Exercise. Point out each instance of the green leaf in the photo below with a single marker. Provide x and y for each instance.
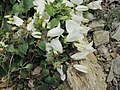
(45, 72)
(29, 66)
(12, 1)
(27, 4)
(23, 73)
(43, 87)
(23, 48)
(41, 45)
(54, 22)
(17, 8)
(49, 80)
(50, 10)
(10, 48)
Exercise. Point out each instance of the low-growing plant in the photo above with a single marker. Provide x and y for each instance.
(39, 38)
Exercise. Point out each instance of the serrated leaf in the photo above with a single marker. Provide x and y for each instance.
(54, 23)
(23, 48)
(45, 72)
(27, 4)
(50, 10)
(41, 45)
(50, 80)
(10, 48)
(43, 87)
(17, 8)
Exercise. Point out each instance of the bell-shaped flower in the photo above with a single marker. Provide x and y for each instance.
(85, 47)
(68, 3)
(77, 2)
(30, 26)
(56, 45)
(36, 34)
(81, 68)
(77, 18)
(50, 1)
(55, 32)
(60, 71)
(80, 55)
(40, 6)
(81, 8)
(95, 5)
(74, 36)
(72, 26)
(90, 16)
(17, 21)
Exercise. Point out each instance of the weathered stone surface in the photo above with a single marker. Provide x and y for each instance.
(116, 66)
(117, 34)
(100, 37)
(93, 80)
(103, 51)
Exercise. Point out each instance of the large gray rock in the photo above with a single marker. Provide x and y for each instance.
(93, 80)
(117, 34)
(116, 66)
(100, 37)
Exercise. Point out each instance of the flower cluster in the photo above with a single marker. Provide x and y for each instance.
(59, 26)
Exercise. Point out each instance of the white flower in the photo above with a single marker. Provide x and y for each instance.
(77, 2)
(81, 68)
(36, 34)
(79, 55)
(90, 16)
(74, 30)
(60, 70)
(17, 21)
(56, 44)
(30, 26)
(74, 36)
(77, 18)
(50, 1)
(55, 32)
(40, 6)
(95, 5)
(86, 47)
(68, 3)
(72, 26)
(81, 8)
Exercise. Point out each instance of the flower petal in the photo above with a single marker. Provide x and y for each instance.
(81, 68)
(60, 70)
(40, 6)
(95, 5)
(17, 21)
(81, 8)
(36, 34)
(56, 44)
(77, 2)
(80, 55)
(55, 32)
(72, 25)
(30, 26)
(74, 36)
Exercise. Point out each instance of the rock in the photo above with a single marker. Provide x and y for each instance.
(97, 24)
(93, 80)
(116, 66)
(110, 75)
(113, 54)
(103, 51)
(117, 34)
(100, 37)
